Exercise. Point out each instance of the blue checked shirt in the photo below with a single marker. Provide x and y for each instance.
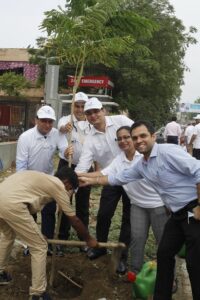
(171, 171)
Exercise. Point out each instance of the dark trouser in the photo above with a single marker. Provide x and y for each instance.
(110, 197)
(172, 139)
(48, 219)
(178, 230)
(82, 207)
(196, 153)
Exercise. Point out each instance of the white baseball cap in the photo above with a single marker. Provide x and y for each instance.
(197, 117)
(46, 112)
(80, 96)
(93, 103)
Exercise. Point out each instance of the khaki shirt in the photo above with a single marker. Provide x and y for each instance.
(35, 189)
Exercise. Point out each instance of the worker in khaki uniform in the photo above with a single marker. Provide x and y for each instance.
(21, 195)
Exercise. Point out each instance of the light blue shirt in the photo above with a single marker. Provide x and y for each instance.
(171, 171)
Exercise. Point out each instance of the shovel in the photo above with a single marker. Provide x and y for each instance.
(115, 256)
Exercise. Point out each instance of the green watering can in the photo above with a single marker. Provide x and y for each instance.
(144, 281)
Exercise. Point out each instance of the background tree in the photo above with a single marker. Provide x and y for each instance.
(149, 86)
(13, 84)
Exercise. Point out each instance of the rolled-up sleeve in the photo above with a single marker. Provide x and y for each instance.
(125, 176)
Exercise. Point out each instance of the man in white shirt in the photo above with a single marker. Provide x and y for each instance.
(172, 132)
(188, 135)
(100, 146)
(195, 139)
(76, 129)
(35, 151)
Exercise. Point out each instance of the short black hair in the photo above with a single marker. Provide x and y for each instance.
(147, 124)
(69, 174)
(174, 118)
(128, 128)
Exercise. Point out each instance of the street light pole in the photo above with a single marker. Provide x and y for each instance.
(51, 85)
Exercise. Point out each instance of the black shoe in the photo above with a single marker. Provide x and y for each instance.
(122, 268)
(84, 249)
(94, 253)
(59, 251)
(44, 296)
(26, 251)
(5, 278)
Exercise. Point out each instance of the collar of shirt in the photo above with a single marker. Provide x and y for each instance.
(109, 123)
(154, 153)
(38, 135)
(125, 159)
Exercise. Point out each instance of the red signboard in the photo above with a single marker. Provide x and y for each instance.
(92, 81)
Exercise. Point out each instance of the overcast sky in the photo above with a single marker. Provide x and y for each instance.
(19, 21)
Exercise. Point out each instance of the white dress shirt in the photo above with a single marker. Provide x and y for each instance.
(173, 129)
(139, 192)
(196, 142)
(35, 152)
(79, 132)
(189, 133)
(101, 146)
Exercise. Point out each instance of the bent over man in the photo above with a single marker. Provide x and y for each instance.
(21, 195)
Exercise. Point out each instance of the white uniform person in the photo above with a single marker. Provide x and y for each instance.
(35, 151)
(100, 146)
(78, 128)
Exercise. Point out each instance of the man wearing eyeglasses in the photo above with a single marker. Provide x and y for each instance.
(35, 151)
(100, 146)
(76, 129)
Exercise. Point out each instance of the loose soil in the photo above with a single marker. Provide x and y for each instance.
(94, 276)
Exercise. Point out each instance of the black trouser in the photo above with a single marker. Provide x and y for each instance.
(48, 219)
(196, 153)
(178, 230)
(82, 206)
(110, 197)
(172, 139)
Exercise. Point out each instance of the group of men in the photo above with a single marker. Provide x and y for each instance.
(171, 172)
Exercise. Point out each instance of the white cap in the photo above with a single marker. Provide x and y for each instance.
(197, 117)
(46, 112)
(93, 103)
(80, 96)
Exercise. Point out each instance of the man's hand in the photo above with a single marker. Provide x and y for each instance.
(85, 181)
(69, 152)
(196, 212)
(68, 127)
(189, 149)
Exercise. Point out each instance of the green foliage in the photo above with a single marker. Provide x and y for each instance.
(148, 84)
(12, 83)
(197, 100)
(100, 35)
(140, 43)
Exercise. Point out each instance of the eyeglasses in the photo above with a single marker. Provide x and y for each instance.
(126, 137)
(92, 111)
